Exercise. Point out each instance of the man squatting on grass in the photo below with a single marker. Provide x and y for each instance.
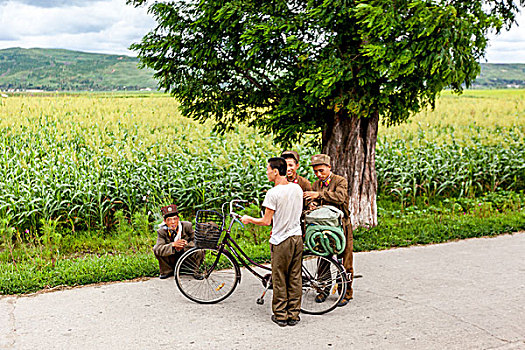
(283, 204)
(174, 237)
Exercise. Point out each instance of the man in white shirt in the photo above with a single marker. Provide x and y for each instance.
(283, 205)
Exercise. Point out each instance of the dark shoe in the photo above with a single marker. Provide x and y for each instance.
(164, 276)
(344, 301)
(321, 297)
(292, 322)
(280, 323)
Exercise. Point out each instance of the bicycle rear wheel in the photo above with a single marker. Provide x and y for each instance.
(324, 284)
(206, 276)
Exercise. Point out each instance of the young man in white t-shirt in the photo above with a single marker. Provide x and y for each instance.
(283, 204)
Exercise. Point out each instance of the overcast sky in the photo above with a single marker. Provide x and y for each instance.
(110, 26)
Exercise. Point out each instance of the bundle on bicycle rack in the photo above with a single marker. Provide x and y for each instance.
(208, 228)
(324, 232)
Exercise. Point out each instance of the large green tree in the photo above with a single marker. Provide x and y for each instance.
(333, 68)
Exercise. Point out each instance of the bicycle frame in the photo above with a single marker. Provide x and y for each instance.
(231, 246)
(320, 275)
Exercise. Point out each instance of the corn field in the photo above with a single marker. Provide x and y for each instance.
(79, 159)
(470, 144)
(463, 169)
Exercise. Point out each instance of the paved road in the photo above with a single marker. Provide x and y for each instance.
(460, 295)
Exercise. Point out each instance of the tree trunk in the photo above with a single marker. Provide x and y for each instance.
(351, 143)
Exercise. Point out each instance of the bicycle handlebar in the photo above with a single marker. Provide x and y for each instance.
(235, 203)
(232, 203)
(234, 215)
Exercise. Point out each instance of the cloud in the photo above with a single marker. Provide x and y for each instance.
(7, 36)
(26, 20)
(107, 26)
(51, 3)
(110, 26)
(505, 52)
(508, 46)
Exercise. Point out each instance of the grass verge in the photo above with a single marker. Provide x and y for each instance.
(393, 233)
(28, 277)
(19, 275)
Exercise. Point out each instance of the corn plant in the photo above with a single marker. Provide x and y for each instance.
(78, 160)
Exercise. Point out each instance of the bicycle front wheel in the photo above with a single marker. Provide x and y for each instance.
(206, 275)
(324, 284)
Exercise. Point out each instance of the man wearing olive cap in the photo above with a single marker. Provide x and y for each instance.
(332, 189)
(174, 237)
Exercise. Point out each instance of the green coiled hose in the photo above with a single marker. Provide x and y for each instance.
(325, 240)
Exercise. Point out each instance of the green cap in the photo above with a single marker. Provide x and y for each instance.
(320, 159)
(293, 154)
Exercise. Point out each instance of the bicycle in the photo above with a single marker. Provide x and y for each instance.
(210, 272)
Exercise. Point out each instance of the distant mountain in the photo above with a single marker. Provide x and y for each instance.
(496, 75)
(65, 70)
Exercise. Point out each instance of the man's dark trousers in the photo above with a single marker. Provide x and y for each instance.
(167, 263)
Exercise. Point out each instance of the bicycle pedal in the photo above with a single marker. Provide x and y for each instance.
(335, 289)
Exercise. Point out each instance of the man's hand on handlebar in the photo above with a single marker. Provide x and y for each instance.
(246, 219)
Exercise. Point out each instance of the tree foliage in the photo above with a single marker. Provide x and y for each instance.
(290, 66)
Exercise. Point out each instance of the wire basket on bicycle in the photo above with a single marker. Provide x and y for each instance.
(208, 228)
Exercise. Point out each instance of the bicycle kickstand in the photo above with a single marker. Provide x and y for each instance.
(267, 283)
(260, 300)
